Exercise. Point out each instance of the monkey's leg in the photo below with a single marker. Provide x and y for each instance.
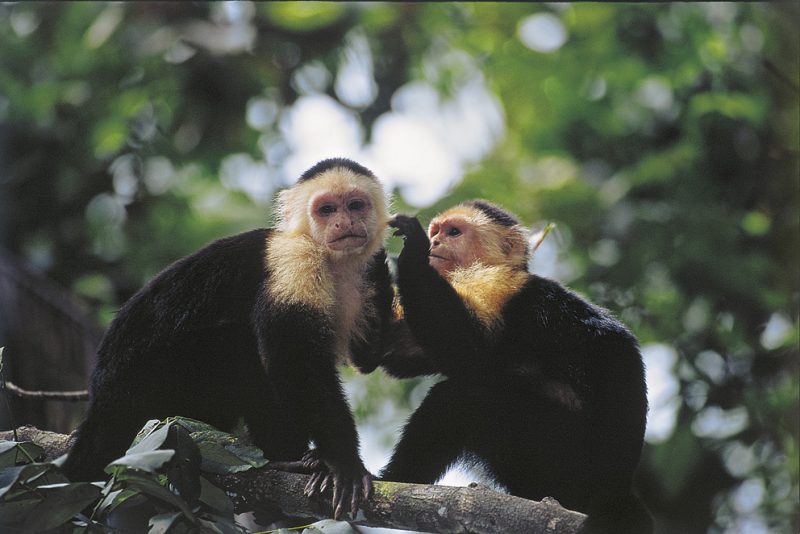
(102, 438)
(274, 425)
(278, 436)
(432, 439)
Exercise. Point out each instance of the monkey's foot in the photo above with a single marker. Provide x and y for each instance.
(350, 487)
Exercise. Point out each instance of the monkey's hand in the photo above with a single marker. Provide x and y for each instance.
(351, 486)
(310, 463)
(409, 228)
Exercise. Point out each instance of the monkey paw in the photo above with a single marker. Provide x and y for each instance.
(308, 464)
(410, 229)
(350, 487)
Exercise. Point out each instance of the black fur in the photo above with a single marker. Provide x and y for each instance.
(495, 213)
(332, 163)
(203, 340)
(554, 405)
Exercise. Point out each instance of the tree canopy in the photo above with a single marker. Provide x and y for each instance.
(662, 139)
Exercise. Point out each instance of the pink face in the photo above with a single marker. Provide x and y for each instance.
(341, 221)
(454, 243)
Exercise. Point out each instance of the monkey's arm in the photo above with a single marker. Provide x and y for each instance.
(366, 351)
(404, 358)
(296, 345)
(436, 315)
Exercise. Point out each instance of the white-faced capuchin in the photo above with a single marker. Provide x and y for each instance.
(546, 390)
(253, 326)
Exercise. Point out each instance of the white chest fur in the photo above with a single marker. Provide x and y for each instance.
(302, 274)
(352, 296)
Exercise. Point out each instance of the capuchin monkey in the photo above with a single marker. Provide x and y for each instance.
(253, 326)
(546, 390)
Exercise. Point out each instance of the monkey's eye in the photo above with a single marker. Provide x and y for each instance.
(356, 205)
(327, 209)
(453, 231)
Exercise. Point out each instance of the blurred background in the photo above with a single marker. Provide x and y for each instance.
(662, 139)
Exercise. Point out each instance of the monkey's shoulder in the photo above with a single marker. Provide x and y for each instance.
(209, 291)
(545, 304)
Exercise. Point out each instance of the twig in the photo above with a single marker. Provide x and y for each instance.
(72, 396)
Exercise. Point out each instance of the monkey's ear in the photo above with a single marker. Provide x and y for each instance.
(515, 246)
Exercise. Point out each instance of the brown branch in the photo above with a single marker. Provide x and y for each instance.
(53, 443)
(72, 396)
(395, 505)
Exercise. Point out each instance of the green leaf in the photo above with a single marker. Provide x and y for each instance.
(756, 223)
(184, 470)
(146, 461)
(161, 523)
(109, 136)
(10, 475)
(193, 425)
(217, 459)
(215, 498)
(16, 514)
(223, 525)
(61, 504)
(223, 453)
(112, 500)
(148, 485)
(330, 526)
(14, 453)
(301, 17)
(133, 514)
(250, 454)
(151, 440)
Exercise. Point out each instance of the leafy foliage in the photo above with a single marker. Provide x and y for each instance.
(157, 485)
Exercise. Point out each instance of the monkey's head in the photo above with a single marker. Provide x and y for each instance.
(340, 205)
(476, 231)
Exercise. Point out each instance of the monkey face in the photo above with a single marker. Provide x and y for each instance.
(454, 243)
(342, 222)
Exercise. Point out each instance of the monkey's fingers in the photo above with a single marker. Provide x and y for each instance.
(313, 486)
(397, 220)
(327, 482)
(344, 496)
(355, 501)
(337, 490)
(311, 460)
(368, 487)
(403, 223)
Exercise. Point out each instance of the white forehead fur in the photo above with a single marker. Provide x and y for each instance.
(294, 203)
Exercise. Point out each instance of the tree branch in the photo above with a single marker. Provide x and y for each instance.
(395, 505)
(72, 396)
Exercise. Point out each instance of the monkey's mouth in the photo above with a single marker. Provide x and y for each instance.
(435, 258)
(349, 240)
